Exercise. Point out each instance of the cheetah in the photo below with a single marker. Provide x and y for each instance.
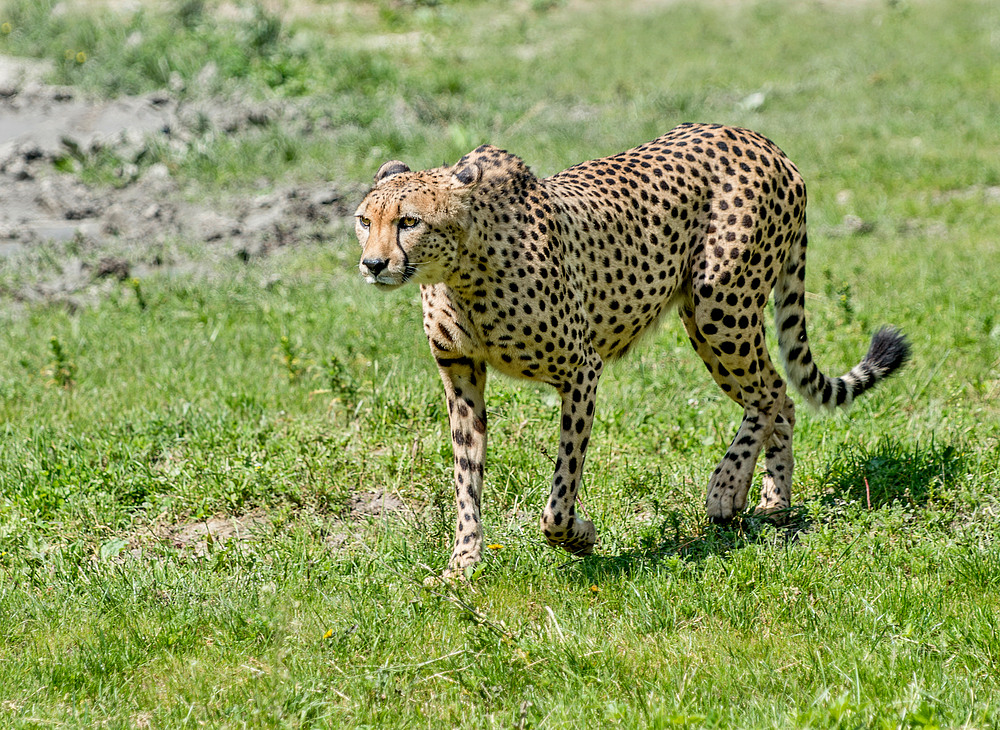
(550, 279)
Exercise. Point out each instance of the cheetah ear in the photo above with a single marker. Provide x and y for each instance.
(390, 168)
(467, 176)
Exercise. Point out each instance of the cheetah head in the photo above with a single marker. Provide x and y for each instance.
(412, 224)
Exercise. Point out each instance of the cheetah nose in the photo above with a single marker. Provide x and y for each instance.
(375, 266)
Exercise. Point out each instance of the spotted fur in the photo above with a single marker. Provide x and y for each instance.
(549, 279)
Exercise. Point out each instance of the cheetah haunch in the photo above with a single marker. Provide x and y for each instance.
(549, 279)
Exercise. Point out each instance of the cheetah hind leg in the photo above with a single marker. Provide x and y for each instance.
(763, 396)
(776, 489)
(723, 503)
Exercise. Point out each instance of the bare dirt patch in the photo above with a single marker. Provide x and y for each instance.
(199, 537)
(375, 504)
(43, 128)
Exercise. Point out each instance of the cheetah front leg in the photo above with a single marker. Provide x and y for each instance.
(561, 526)
(465, 387)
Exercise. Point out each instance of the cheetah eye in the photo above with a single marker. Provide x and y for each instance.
(364, 221)
(408, 221)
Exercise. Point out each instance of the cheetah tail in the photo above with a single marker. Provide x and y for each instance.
(889, 349)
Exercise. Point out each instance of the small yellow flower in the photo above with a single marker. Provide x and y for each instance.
(6, 28)
(328, 634)
(494, 546)
(81, 57)
(69, 53)
(595, 589)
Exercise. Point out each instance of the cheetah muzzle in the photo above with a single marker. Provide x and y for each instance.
(548, 279)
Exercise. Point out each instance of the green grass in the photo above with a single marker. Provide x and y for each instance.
(282, 387)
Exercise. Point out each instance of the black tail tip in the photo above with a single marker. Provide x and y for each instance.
(889, 351)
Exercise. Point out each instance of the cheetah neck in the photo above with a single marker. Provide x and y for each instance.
(509, 235)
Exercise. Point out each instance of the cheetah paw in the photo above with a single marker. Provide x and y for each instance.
(724, 503)
(450, 577)
(580, 540)
(776, 514)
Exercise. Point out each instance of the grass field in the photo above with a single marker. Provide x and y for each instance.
(283, 392)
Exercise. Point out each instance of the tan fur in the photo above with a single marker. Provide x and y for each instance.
(548, 279)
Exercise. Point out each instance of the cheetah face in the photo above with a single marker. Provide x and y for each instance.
(412, 224)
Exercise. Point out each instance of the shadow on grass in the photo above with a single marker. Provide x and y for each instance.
(889, 472)
(875, 476)
(712, 540)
